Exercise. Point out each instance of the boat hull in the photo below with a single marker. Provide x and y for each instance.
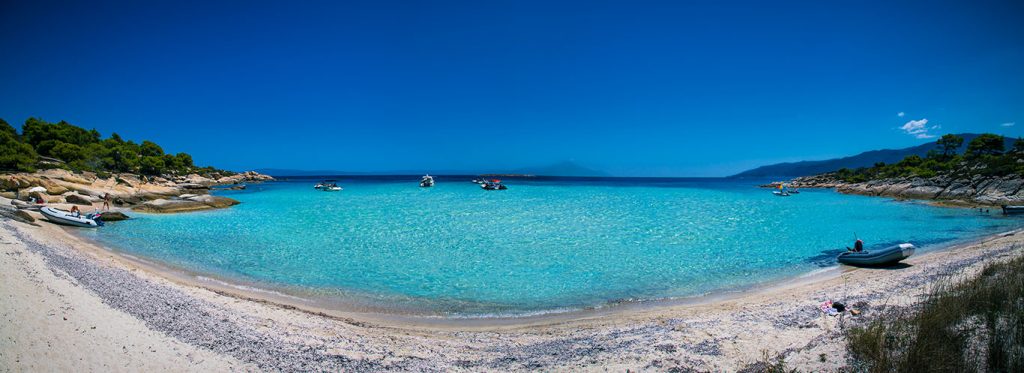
(66, 218)
(889, 255)
(1013, 210)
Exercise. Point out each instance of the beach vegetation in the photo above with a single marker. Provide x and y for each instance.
(78, 149)
(973, 325)
(985, 155)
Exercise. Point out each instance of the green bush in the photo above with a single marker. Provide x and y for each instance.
(16, 155)
(984, 156)
(85, 150)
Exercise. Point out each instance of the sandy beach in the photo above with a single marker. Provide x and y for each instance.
(69, 304)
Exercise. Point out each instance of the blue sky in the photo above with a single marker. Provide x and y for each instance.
(674, 88)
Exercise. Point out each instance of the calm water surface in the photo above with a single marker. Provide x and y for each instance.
(540, 246)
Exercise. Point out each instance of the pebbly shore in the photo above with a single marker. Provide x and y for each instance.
(727, 333)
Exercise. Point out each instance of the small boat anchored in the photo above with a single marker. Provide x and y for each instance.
(888, 255)
(71, 218)
(784, 191)
(1012, 210)
(494, 184)
(427, 181)
(327, 186)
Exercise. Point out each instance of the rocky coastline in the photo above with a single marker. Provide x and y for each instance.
(158, 194)
(975, 191)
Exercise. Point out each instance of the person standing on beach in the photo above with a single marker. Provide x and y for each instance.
(106, 201)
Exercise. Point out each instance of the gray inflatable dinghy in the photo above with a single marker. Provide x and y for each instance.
(888, 255)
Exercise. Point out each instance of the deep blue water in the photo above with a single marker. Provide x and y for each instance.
(544, 244)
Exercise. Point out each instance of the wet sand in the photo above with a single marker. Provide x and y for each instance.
(166, 320)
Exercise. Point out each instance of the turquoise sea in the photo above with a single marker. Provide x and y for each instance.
(543, 245)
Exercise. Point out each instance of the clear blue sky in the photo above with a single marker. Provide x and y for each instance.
(674, 88)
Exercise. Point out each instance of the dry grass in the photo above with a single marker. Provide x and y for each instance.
(975, 325)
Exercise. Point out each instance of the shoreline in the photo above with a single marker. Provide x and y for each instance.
(726, 333)
(384, 316)
(389, 316)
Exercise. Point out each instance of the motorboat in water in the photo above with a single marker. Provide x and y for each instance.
(493, 185)
(1012, 210)
(327, 186)
(71, 218)
(427, 181)
(888, 255)
(781, 193)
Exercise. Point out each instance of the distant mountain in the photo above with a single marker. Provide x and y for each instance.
(865, 159)
(565, 168)
(278, 172)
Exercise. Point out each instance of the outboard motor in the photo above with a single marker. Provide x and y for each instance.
(96, 218)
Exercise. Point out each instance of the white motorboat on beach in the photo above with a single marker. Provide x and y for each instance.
(71, 218)
(427, 181)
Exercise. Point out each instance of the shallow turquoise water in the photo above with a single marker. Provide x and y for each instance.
(542, 245)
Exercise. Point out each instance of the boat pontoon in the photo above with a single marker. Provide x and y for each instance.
(71, 218)
(888, 255)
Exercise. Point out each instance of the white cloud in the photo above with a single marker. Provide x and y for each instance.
(1008, 124)
(918, 128)
(901, 114)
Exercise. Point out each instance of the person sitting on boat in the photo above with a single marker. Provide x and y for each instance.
(74, 210)
(858, 246)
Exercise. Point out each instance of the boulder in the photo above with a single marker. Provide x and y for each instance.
(193, 186)
(214, 201)
(61, 174)
(243, 177)
(55, 189)
(17, 215)
(78, 199)
(958, 190)
(44, 197)
(9, 195)
(922, 192)
(204, 202)
(114, 216)
(197, 179)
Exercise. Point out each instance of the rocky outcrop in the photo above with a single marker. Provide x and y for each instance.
(248, 176)
(206, 182)
(114, 216)
(126, 190)
(1008, 190)
(203, 202)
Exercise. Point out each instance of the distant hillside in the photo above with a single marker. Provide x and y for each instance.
(566, 168)
(290, 172)
(865, 159)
